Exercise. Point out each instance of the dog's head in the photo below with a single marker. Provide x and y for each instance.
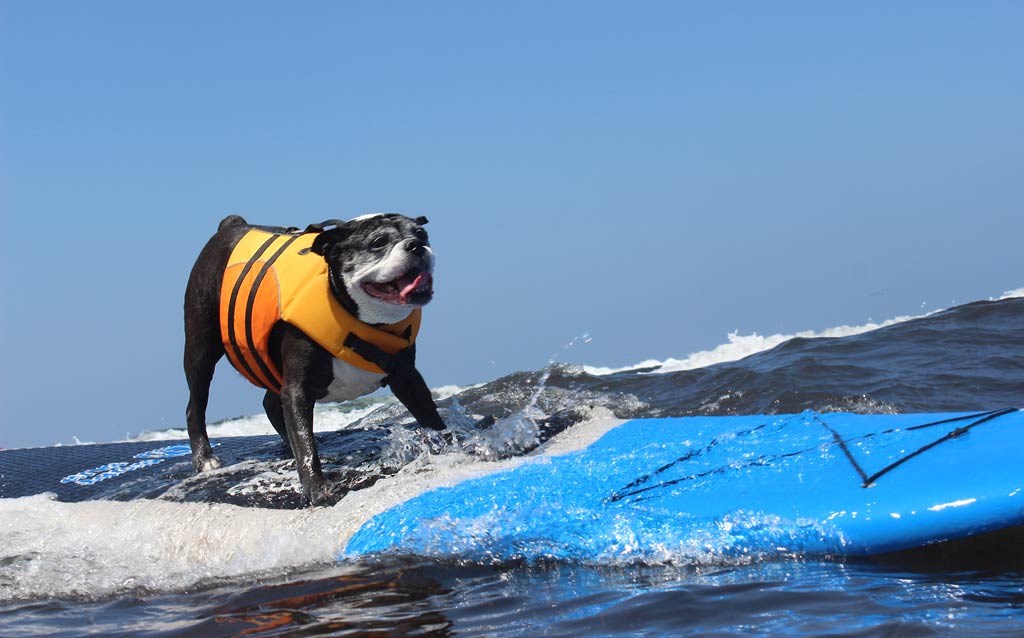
(381, 266)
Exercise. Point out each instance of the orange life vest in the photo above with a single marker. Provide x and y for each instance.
(273, 277)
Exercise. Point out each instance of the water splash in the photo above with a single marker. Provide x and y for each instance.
(519, 431)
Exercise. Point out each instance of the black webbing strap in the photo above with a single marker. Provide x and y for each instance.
(373, 354)
(389, 363)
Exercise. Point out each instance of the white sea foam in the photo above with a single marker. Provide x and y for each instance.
(1010, 294)
(328, 417)
(100, 548)
(97, 548)
(740, 346)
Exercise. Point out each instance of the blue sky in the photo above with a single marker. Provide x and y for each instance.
(653, 174)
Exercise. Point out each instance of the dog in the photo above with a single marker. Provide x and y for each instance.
(328, 313)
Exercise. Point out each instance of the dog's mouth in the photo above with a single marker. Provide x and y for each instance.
(414, 288)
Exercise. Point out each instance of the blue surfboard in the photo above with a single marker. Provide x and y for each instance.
(689, 488)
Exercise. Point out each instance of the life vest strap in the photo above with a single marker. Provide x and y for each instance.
(387, 362)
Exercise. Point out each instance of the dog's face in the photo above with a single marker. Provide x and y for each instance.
(383, 263)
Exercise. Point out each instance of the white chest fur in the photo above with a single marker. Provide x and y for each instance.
(350, 382)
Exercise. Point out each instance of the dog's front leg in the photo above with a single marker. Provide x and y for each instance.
(408, 385)
(298, 402)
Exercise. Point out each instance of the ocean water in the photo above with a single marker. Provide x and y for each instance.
(233, 554)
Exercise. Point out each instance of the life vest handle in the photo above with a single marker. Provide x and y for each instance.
(322, 226)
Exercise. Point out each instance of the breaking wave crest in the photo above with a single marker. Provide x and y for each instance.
(740, 346)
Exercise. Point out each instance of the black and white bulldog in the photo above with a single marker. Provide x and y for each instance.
(379, 269)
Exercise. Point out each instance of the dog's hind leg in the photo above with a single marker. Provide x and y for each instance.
(275, 412)
(203, 344)
(201, 356)
(203, 349)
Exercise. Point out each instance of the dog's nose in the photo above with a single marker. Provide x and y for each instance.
(414, 246)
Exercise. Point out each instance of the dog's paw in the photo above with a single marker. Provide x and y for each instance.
(205, 463)
(485, 422)
(320, 494)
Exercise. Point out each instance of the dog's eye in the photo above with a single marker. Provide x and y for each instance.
(420, 234)
(380, 241)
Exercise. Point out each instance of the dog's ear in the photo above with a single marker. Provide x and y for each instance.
(326, 241)
(421, 220)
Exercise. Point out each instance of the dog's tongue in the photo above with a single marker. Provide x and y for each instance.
(410, 284)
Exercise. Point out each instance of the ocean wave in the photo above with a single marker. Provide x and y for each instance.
(740, 346)
(952, 360)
